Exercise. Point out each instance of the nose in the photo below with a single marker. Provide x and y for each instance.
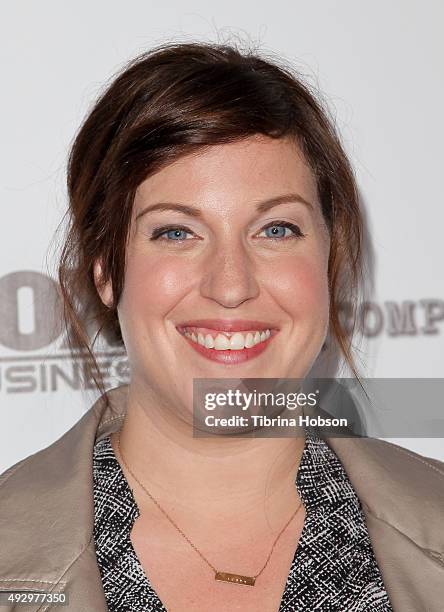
(229, 277)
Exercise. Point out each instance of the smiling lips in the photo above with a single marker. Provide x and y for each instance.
(229, 342)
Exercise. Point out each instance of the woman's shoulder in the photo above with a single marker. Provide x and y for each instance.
(402, 497)
(46, 509)
(398, 488)
(378, 466)
(71, 454)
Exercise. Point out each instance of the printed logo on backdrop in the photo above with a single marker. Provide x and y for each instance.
(394, 319)
(34, 354)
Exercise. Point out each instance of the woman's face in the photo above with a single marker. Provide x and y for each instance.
(225, 244)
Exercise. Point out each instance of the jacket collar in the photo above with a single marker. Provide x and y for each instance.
(47, 511)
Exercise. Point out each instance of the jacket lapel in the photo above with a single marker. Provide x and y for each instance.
(402, 496)
(47, 514)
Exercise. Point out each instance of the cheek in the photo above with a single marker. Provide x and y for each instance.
(301, 286)
(151, 289)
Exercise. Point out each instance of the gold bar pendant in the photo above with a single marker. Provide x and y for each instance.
(235, 578)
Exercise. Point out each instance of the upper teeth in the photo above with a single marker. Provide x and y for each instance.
(235, 342)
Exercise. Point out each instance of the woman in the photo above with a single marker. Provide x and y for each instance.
(214, 231)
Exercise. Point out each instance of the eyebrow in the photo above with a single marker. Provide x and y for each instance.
(191, 211)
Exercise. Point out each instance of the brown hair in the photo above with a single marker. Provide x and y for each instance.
(171, 101)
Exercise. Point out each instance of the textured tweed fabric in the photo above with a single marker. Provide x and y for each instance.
(333, 569)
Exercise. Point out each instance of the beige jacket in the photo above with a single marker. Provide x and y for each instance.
(46, 516)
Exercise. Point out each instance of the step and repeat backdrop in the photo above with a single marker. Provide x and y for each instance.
(379, 67)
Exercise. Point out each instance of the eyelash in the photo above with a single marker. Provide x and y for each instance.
(297, 233)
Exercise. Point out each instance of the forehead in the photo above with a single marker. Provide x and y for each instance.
(230, 174)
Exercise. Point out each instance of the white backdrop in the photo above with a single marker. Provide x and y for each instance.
(380, 68)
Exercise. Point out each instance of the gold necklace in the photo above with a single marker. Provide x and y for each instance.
(222, 576)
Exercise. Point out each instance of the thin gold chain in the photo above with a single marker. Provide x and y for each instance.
(180, 530)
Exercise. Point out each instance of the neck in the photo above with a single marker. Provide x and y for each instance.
(218, 476)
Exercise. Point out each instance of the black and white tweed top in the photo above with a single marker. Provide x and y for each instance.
(334, 568)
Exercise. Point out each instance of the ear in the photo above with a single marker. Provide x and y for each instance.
(104, 290)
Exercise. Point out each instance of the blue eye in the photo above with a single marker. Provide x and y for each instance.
(282, 229)
(277, 231)
(176, 234)
(172, 234)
